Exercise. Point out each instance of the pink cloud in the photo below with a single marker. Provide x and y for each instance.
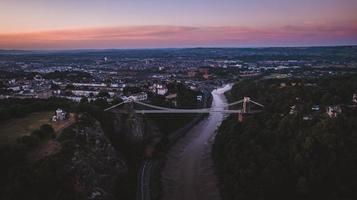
(182, 36)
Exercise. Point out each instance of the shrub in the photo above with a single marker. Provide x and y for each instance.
(29, 141)
(45, 132)
(66, 135)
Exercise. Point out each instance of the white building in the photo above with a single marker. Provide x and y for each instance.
(142, 96)
(85, 93)
(292, 110)
(59, 116)
(315, 108)
(159, 89)
(334, 111)
(199, 98)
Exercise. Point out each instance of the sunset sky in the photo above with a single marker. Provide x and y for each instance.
(83, 24)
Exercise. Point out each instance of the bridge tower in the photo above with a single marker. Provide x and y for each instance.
(245, 110)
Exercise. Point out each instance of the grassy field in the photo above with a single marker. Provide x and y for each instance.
(12, 129)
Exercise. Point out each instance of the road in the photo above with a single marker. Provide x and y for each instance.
(189, 173)
(144, 190)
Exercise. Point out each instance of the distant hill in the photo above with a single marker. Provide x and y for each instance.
(339, 53)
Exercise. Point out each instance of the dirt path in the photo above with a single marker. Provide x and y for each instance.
(51, 146)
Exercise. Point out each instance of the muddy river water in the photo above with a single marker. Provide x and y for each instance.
(189, 173)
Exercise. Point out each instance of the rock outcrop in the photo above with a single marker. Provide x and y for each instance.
(94, 164)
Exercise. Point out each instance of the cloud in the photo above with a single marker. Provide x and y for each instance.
(183, 36)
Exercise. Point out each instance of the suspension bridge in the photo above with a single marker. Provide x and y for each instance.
(245, 102)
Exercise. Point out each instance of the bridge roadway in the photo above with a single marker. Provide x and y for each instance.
(159, 109)
(182, 111)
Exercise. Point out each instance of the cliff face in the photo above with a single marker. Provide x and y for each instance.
(94, 164)
(95, 160)
(84, 166)
(131, 134)
(103, 157)
(130, 128)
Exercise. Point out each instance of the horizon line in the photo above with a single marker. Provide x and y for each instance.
(193, 47)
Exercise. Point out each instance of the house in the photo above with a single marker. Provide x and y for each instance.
(315, 108)
(199, 98)
(15, 88)
(307, 118)
(60, 115)
(191, 73)
(334, 111)
(142, 96)
(159, 89)
(44, 94)
(293, 110)
(204, 72)
(38, 78)
(205, 76)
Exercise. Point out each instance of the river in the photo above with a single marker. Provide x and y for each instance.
(189, 172)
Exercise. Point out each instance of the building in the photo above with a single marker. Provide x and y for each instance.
(204, 72)
(334, 111)
(199, 98)
(282, 85)
(205, 76)
(38, 78)
(45, 94)
(354, 98)
(142, 96)
(159, 89)
(315, 108)
(191, 73)
(293, 110)
(60, 115)
(307, 118)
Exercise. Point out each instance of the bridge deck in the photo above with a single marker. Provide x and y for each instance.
(183, 111)
(172, 110)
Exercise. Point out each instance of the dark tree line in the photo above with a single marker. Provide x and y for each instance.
(16, 108)
(275, 155)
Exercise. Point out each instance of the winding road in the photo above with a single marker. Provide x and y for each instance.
(189, 173)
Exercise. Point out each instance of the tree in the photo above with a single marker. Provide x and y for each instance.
(84, 100)
(102, 103)
(54, 86)
(46, 131)
(103, 94)
(131, 90)
(70, 87)
(273, 155)
(29, 141)
(68, 93)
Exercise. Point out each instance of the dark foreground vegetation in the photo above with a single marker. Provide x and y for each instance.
(97, 157)
(290, 153)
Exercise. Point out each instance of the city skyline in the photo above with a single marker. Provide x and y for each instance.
(40, 24)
